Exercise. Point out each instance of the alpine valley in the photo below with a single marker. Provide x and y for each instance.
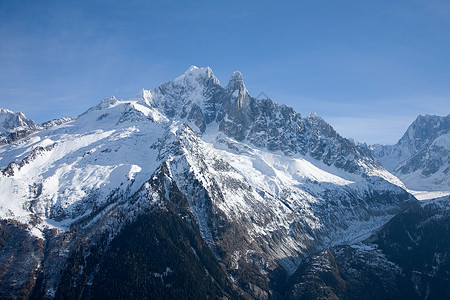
(194, 190)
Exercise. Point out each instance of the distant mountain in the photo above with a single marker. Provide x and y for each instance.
(187, 190)
(14, 126)
(11, 121)
(421, 157)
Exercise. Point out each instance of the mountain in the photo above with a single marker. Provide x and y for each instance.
(191, 190)
(14, 126)
(421, 157)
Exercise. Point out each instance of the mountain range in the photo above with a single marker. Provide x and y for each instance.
(197, 190)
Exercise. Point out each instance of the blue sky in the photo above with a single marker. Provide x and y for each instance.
(367, 67)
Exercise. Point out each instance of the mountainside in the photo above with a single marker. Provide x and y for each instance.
(216, 192)
(408, 258)
(421, 157)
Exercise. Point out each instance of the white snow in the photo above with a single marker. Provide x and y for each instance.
(82, 160)
(442, 141)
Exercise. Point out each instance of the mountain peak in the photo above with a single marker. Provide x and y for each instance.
(315, 118)
(236, 76)
(108, 101)
(314, 115)
(194, 72)
(425, 128)
(191, 69)
(10, 121)
(236, 82)
(419, 158)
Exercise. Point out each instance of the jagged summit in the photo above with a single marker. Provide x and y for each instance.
(5, 111)
(191, 69)
(197, 98)
(236, 82)
(194, 73)
(424, 128)
(314, 116)
(13, 121)
(108, 101)
(421, 157)
(14, 126)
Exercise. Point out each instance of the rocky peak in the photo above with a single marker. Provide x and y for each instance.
(12, 121)
(107, 102)
(14, 126)
(259, 122)
(104, 104)
(236, 82)
(197, 98)
(145, 96)
(315, 118)
(424, 130)
(196, 74)
(421, 157)
(240, 96)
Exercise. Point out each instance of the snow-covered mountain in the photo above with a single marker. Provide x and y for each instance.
(421, 157)
(11, 121)
(257, 183)
(14, 126)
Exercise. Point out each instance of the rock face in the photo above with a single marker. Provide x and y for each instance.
(21, 254)
(421, 157)
(219, 194)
